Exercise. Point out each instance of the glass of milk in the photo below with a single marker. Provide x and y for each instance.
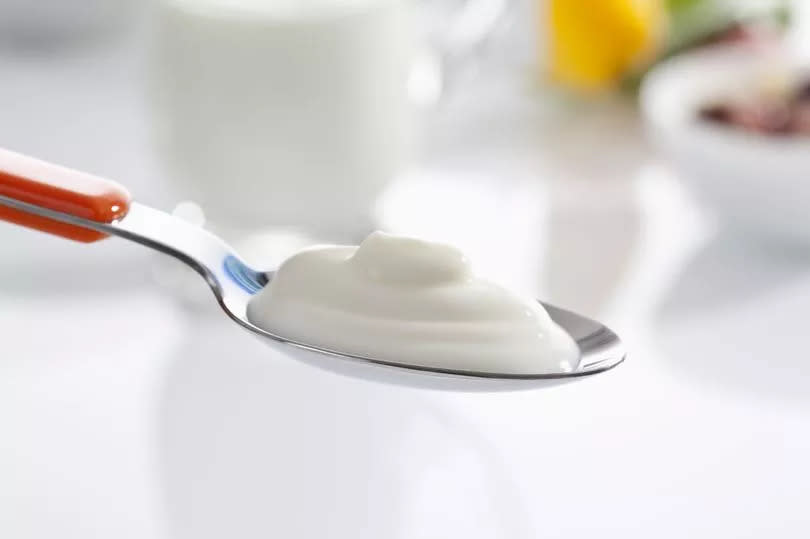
(296, 113)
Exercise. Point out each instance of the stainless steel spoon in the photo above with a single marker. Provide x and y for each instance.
(86, 208)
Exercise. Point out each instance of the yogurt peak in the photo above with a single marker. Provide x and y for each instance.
(410, 301)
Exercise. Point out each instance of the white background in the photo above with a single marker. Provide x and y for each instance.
(128, 412)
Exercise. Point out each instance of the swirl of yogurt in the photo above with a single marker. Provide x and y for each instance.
(409, 301)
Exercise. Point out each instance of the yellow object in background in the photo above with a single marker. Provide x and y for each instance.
(594, 43)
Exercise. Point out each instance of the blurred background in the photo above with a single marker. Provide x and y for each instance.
(643, 162)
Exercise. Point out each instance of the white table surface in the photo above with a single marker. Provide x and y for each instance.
(127, 413)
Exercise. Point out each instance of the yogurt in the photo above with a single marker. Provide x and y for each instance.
(408, 301)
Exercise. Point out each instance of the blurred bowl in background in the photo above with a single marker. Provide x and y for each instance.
(754, 182)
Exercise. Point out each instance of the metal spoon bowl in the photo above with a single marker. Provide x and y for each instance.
(233, 283)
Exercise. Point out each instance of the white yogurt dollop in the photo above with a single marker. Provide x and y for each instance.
(405, 300)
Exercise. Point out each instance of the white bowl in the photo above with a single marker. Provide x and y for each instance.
(758, 183)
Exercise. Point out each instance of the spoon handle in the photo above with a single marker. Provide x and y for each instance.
(60, 189)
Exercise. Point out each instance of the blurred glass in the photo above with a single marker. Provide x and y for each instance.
(299, 113)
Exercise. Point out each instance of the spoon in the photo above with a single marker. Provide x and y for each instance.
(86, 208)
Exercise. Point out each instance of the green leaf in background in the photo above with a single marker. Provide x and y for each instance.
(694, 22)
(676, 5)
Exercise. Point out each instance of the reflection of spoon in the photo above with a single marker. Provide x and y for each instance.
(86, 208)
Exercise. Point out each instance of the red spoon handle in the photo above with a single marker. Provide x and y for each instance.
(60, 189)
